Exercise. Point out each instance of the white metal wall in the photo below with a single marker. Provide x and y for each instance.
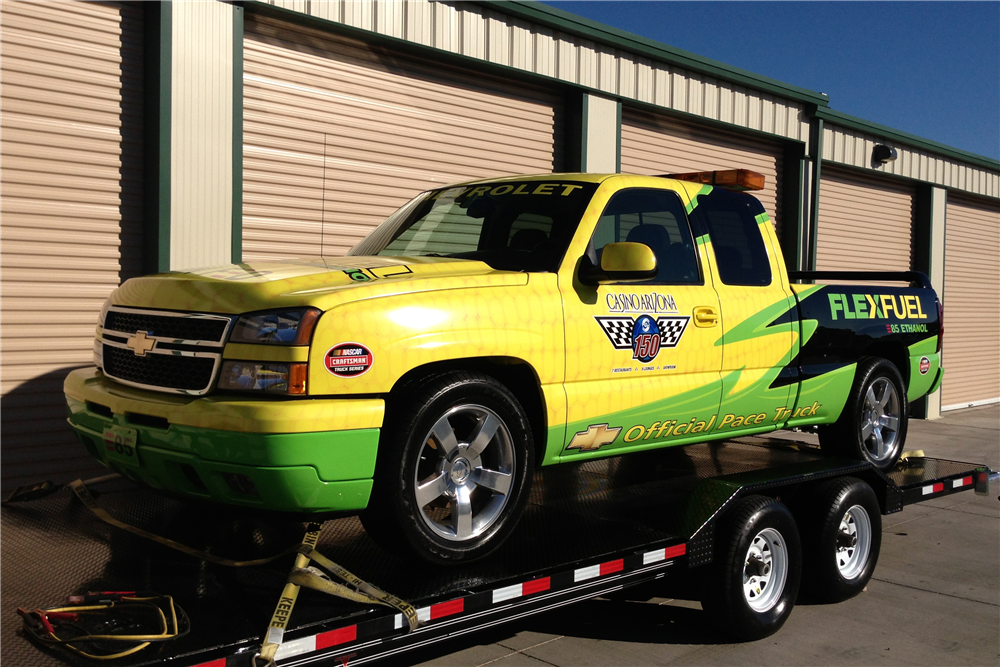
(971, 307)
(863, 224)
(339, 133)
(61, 156)
(658, 145)
(201, 135)
(855, 149)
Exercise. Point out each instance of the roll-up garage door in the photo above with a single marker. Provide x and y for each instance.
(61, 103)
(339, 133)
(971, 317)
(657, 145)
(864, 225)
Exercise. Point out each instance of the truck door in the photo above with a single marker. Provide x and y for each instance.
(757, 310)
(642, 364)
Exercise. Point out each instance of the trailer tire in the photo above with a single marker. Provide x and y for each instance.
(841, 539)
(439, 493)
(757, 542)
(872, 426)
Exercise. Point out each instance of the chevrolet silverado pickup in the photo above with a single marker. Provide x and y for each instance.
(488, 328)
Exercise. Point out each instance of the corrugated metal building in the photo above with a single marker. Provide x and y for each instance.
(143, 137)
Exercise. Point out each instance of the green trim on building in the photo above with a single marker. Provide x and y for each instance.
(237, 241)
(620, 39)
(157, 129)
(584, 130)
(618, 138)
(883, 132)
(817, 175)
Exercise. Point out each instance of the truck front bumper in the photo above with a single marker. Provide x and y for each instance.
(296, 455)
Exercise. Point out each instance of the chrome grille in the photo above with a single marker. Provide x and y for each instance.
(162, 350)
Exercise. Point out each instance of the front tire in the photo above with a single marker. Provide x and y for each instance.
(873, 425)
(754, 580)
(454, 469)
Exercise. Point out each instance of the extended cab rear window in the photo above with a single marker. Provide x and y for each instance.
(510, 225)
(731, 221)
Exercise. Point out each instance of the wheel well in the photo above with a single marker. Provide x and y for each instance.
(515, 374)
(894, 352)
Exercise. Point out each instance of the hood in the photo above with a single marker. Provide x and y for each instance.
(321, 283)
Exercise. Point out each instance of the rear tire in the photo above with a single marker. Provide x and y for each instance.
(873, 425)
(454, 469)
(754, 580)
(841, 539)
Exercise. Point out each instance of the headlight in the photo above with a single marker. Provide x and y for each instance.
(280, 327)
(264, 376)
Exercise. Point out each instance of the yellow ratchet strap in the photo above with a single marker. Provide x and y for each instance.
(304, 575)
(83, 493)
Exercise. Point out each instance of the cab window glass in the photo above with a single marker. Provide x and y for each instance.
(655, 218)
(731, 220)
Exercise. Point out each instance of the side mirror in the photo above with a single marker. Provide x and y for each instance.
(620, 262)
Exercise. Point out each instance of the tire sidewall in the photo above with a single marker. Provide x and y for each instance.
(731, 606)
(409, 440)
(828, 582)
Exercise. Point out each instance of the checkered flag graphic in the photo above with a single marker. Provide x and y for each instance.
(671, 330)
(618, 330)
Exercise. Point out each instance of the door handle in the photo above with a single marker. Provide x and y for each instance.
(705, 316)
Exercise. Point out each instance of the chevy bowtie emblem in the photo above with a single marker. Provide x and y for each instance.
(140, 344)
(594, 437)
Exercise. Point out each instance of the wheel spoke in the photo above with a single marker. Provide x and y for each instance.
(461, 513)
(445, 436)
(866, 431)
(879, 444)
(870, 399)
(890, 422)
(431, 490)
(886, 395)
(483, 435)
(493, 479)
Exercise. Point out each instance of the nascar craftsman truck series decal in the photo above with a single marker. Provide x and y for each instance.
(488, 328)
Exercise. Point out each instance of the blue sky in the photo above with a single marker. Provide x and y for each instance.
(928, 68)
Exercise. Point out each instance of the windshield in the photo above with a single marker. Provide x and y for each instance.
(519, 226)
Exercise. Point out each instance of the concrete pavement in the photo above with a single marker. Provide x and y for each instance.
(934, 599)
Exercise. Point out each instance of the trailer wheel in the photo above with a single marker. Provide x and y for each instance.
(841, 539)
(754, 579)
(454, 470)
(873, 424)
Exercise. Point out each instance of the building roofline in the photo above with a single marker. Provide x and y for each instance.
(564, 21)
(881, 131)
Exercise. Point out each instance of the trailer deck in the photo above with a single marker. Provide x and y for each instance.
(589, 529)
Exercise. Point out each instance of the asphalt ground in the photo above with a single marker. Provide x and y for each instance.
(934, 598)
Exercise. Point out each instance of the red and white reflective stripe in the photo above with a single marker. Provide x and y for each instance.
(221, 662)
(959, 483)
(663, 554)
(934, 488)
(594, 571)
(435, 611)
(519, 590)
(317, 642)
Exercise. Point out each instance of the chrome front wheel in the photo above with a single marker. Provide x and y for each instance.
(464, 473)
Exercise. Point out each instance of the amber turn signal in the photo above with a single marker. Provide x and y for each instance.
(297, 378)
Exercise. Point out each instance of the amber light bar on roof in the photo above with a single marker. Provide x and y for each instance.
(731, 179)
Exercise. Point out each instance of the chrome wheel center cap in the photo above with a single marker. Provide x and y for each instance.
(460, 470)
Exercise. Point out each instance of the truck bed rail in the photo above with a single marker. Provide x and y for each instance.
(915, 278)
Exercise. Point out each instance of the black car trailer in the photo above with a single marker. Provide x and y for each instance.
(725, 511)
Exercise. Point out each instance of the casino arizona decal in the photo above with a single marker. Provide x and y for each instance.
(349, 360)
(644, 335)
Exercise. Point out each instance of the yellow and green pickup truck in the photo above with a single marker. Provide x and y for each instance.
(488, 328)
